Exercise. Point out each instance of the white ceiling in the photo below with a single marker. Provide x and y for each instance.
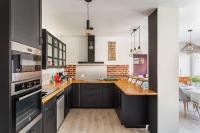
(114, 17)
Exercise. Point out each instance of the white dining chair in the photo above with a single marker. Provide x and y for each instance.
(139, 83)
(134, 80)
(195, 98)
(129, 80)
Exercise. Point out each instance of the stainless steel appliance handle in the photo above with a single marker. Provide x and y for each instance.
(24, 48)
(31, 124)
(24, 97)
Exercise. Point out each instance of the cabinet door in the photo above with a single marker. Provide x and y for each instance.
(25, 22)
(67, 100)
(49, 117)
(91, 95)
(117, 101)
(75, 95)
(107, 96)
(37, 128)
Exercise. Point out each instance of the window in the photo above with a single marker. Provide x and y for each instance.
(195, 65)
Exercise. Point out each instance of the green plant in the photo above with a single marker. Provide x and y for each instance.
(196, 79)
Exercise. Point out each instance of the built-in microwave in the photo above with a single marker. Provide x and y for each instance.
(26, 62)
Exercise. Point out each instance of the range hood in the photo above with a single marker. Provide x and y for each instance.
(91, 52)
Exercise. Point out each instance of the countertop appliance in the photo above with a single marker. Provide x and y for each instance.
(26, 105)
(60, 109)
(26, 62)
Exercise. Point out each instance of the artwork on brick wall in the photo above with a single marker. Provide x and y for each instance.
(111, 51)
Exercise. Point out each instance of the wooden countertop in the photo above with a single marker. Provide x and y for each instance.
(123, 85)
(131, 90)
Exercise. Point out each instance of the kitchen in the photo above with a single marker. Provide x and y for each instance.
(51, 73)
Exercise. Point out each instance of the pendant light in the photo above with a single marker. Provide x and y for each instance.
(88, 28)
(132, 51)
(190, 47)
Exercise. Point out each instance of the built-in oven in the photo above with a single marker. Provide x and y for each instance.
(26, 105)
(26, 62)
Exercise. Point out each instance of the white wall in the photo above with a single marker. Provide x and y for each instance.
(168, 52)
(77, 49)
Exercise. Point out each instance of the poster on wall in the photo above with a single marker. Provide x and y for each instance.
(138, 61)
(111, 51)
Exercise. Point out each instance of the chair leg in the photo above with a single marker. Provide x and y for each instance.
(197, 109)
(187, 106)
(193, 105)
(185, 109)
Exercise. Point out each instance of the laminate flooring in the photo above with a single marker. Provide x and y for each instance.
(190, 124)
(95, 121)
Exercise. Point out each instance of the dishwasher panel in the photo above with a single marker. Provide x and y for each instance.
(60, 109)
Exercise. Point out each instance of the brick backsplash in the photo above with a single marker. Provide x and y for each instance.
(70, 70)
(113, 71)
(117, 71)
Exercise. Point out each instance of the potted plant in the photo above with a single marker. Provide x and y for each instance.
(196, 80)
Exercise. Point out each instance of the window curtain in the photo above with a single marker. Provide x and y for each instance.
(195, 65)
(184, 65)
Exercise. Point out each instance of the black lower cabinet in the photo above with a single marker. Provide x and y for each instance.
(49, 116)
(75, 96)
(117, 101)
(95, 95)
(67, 93)
(131, 110)
(107, 96)
(90, 95)
(37, 128)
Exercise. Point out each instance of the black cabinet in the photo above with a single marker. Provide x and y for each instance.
(117, 101)
(49, 116)
(37, 128)
(75, 95)
(96, 95)
(25, 22)
(91, 95)
(67, 99)
(131, 110)
(53, 51)
(107, 96)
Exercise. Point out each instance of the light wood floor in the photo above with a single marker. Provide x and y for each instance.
(190, 124)
(95, 121)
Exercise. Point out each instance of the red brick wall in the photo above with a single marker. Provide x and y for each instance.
(113, 71)
(117, 71)
(70, 70)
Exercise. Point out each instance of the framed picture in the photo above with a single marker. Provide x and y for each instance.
(111, 51)
(138, 61)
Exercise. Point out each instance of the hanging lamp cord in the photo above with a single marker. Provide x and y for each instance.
(190, 36)
(139, 36)
(88, 11)
(134, 39)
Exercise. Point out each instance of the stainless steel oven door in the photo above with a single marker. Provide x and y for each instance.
(25, 109)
